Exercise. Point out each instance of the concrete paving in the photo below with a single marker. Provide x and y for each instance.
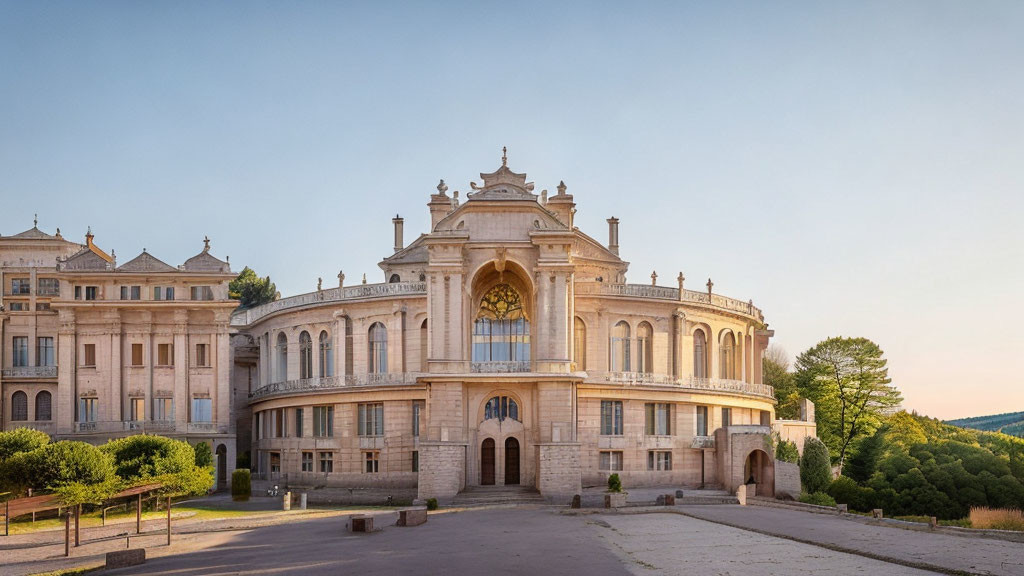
(948, 552)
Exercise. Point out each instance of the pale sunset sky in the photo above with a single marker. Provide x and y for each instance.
(856, 169)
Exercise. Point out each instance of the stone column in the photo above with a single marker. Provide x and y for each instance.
(182, 393)
(117, 386)
(222, 362)
(66, 401)
(340, 324)
(263, 361)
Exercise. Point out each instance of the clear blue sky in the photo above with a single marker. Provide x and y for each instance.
(855, 168)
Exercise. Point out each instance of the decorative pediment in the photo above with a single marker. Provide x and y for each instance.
(146, 262)
(85, 259)
(35, 233)
(502, 184)
(205, 262)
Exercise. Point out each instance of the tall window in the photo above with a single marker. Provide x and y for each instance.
(371, 419)
(89, 355)
(700, 355)
(91, 292)
(298, 424)
(19, 406)
(323, 421)
(136, 354)
(282, 357)
(44, 351)
(501, 331)
(501, 407)
(417, 411)
(326, 462)
(165, 354)
(644, 352)
(726, 416)
(423, 346)
(307, 461)
(163, 409)
(658, 419)
(305, 355)
(203, 355)
(88, 409)
(326, 355)
(611, 418)
(20, 351)
(702, 420)
(580, 343)
(620, 347)
(138, 409)
(727, 367)
(372, 461)
(202, 410)
(44, 406)
(378, 349)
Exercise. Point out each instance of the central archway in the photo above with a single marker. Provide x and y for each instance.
(487, 462)
(511, 461)
(758, 469)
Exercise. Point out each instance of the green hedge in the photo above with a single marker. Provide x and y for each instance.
(241, 485)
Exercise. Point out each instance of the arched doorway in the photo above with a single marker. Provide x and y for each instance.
(511, 461)
(222, 467)
(487, 462)
(759, 469)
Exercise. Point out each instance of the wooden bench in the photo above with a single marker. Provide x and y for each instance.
(361, 523)
(122, 558)
(412, 516)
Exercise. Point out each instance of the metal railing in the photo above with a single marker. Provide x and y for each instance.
(30, 372)
(689, 383)
(357, 292)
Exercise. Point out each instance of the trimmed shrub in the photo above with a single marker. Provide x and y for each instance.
(815, 466)
(614, 483)
(147, 458)
(21, 440)
(431, 503)
(241, 485)
(76, 471)
(787, 451)
(818, 499)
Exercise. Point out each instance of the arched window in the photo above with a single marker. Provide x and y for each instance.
(349, 348)
(19, 406)
(43, 403)
(395, 278)
(580, 340)
(727, 366)
(501, 407)
(620, 347)
(423, 346)
(700, 354)
(305, 355)
(326, 355)
(378, 349)
(282, 357)
(644, 351)
(501, 332)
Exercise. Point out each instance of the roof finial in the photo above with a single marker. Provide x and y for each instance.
(88, 231)
(35, 220)
(504, 156)
(206, 243)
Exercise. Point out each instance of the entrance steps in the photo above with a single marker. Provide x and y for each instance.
(474, 496)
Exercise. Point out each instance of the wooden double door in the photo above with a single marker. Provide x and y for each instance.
(487, 461)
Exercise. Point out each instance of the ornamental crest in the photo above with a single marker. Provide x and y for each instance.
(501, 302)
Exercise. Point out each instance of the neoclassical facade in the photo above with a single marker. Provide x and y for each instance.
(505, 348)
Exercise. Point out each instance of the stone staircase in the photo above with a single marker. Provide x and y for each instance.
(475, 496)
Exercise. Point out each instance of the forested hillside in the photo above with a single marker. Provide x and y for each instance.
(1011, 423)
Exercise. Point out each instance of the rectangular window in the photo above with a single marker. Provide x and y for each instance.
(726, 416)
(766, 418)
(91, 292)
(415, 461)
(275, 463)
(163, 293)
(20, 286)
(202, 410)
(611, 418)
(323, 421)
(48, 287)
(276, 423)
(42, 306)
(372, 458)
(78, 292)
(307, 461)
(19, 306)
(371, 419)
(326, 462)
(658, 419)
(136, 354)
(163, 409)
(417, 409)
(611, 461)
(138, 409)
(165, 354)
(298, 423)
(44, 351)
(87, 409)
(20, 351)
(131, 292)
(659, 460)
(202, 293)
(202, 355)
(702, 420)
(89, 355)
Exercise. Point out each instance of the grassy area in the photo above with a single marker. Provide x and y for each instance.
(24, 524)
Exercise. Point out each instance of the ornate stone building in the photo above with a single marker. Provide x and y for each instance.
(505, 347)
(93, 350)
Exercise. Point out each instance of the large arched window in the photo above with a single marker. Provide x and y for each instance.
(700, 354)
(378, 349)
(43, 406)
(305, 355)
(727, 366)
(580, 340)
(501, 407)
(19, 406)
(395, 278)
(644, 351)
(326, 355)
(282, 357)
(620, 347)
(501, 332)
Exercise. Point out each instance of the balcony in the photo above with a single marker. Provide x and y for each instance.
(357, 292)
(698, 384)
(334, 383)
(30, 372)
(649, 292)
(499, 367)
(136, 426)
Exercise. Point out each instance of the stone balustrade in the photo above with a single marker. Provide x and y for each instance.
(334, 383)
(330, 295)
(141, 426)
(665, 293)
(499, 367)
(689, 383)
(30, 372)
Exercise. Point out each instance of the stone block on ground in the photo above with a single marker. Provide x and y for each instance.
(670, 500)
(576, 501)
(123, 558)
(615, 500)
(412, 516)
(660, 500)
(877, 513)
(680, 494)
(361, 524)
(842, 508)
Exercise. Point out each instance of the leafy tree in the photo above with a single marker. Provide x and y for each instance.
(815, 466)
(777, 375)
(21, 440)
(204, 456)
(864, 461)
(251, 290)
(786, 451)
(145, 458)
(78, 472)
(848, 381)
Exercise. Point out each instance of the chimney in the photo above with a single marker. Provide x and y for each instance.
(398, 222)
(613, 235)
(440, 204)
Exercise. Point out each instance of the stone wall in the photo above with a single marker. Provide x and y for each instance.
(787, 479)
(559, 476)
(442, 470)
